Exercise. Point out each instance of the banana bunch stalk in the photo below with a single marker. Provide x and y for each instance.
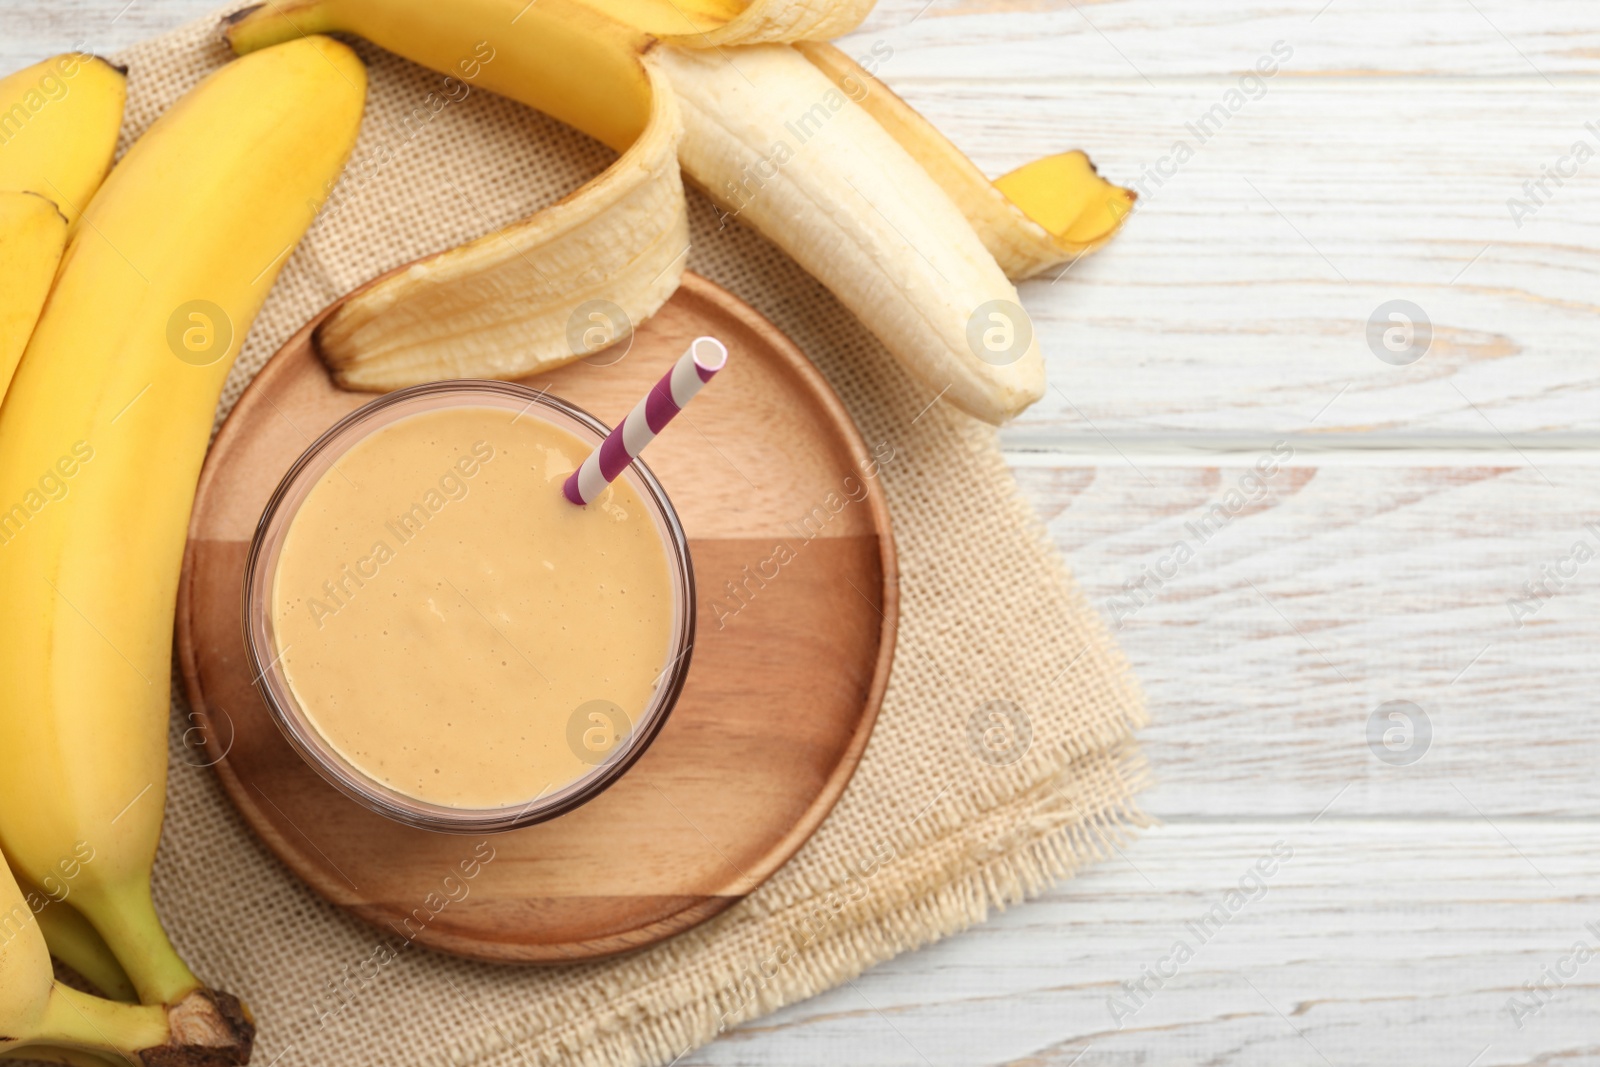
(102, 433)
(42, 1019)
(782, 130)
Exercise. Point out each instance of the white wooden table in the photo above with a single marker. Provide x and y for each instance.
(1422, 894)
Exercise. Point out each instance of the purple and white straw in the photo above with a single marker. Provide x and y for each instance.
(706, 356)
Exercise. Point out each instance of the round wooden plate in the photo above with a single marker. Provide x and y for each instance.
(795, 575)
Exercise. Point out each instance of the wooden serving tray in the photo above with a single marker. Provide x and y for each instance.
(784, 686)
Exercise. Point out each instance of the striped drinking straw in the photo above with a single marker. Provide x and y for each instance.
(706, 356)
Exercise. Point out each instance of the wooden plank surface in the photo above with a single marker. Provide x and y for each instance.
(1376, 566)
(1375, 942)
(1268, 627)
(1112, 40)
(1237, 299)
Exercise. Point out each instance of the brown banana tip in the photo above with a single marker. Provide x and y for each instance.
(239, 1018)
(120, 68)
(233, 18)
(208, 1029)
(335, 371)
(319, 350)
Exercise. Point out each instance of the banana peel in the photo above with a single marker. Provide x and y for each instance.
(1036, 217)
(932, 282)
(720, 23)
(502, 306)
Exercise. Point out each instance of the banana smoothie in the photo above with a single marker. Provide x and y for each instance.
(455, 628)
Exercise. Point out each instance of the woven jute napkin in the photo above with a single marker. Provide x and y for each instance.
(1003, 758)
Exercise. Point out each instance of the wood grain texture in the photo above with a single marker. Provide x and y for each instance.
(1209, 329)
(1137, 40)
(1268, 633)
(1236, 300)
(33, 31)
(785, 683)
(1374, 943)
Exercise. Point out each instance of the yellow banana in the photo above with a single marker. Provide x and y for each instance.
(75, 943)
(719, 23)
(26, 980)
(41, 1017)
(72, 1057)
(558, 56)
(101, 440)
(58, 128)
(901, 226)
(32, 235)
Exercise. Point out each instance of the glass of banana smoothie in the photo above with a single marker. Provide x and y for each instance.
(444, 636)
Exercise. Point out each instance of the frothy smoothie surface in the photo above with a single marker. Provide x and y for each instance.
(442, 611)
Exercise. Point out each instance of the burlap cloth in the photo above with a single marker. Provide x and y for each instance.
(935, 829)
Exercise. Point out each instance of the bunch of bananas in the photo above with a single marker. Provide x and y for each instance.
(123, 299)
(125, 296)
(782, 130)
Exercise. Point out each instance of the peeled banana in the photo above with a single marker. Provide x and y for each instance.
(883, 210)
(101, 441)
(820, 177)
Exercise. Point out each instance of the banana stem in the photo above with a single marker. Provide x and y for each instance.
(79, 1020)
(254, 28)
(72, 1057)
(78, 945)
(126, 918)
